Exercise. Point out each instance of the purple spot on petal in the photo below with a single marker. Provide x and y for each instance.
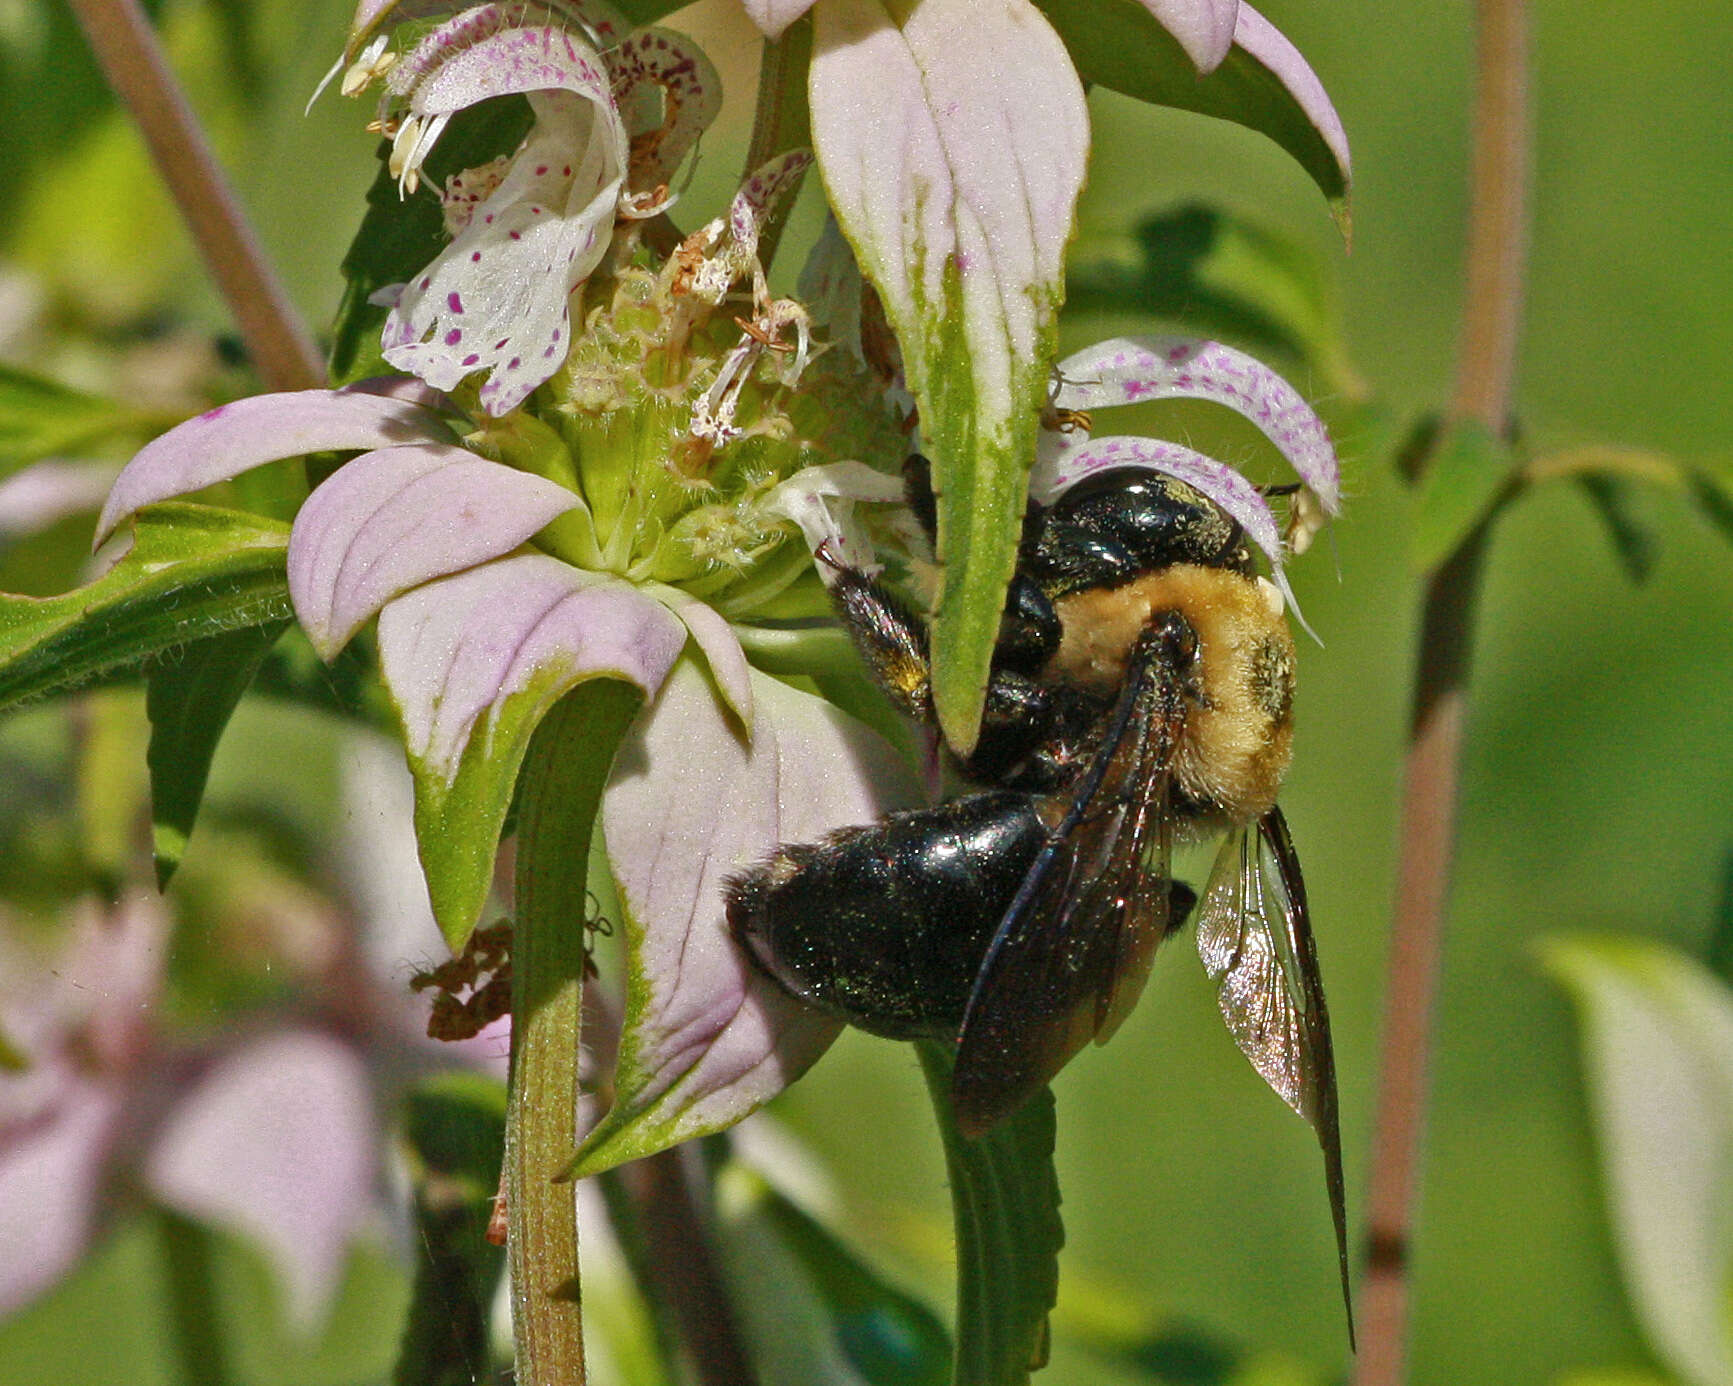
(514, 363)
(471, 359)
(426, 280)
(453, 302)
(500, 344)
(214, 413)
(517, 235)
(475, 257)
(453, 337)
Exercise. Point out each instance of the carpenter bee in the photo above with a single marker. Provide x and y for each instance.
(1141, 693)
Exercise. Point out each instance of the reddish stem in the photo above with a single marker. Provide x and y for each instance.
(126, 46)
(1492, 313)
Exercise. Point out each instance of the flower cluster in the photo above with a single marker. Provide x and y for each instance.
(613, 452)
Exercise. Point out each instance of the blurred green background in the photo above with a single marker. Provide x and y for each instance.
(1597, 791)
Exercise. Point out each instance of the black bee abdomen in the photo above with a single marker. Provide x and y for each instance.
(886, 926)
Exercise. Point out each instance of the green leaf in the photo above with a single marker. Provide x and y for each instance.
(1633, 541)
(194, 572)
(1005, 1199)
(189, 700)
(1467, 476)
(458, 822)
(1713, 497)
(39, 418)
(1120, 45)
(454, 1128)
(815, 1310)
(1658, 1056)
(401, 234)
(1219, 275)
(960, 225)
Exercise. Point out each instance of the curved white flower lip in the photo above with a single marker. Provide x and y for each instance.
(392, 519)
(233, 438)
(492, 299)
(821, 501)
(454, 648)
(1130, 370)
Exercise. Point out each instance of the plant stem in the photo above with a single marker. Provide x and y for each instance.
(126, 46)
(1492, 313)
(563, 774)
(682, 1266)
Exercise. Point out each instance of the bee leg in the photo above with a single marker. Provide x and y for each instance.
(891, 638)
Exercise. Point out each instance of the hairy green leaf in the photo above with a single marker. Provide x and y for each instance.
(194, 572)
(1467, 474)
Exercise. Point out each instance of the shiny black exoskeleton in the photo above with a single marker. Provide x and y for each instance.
(888, 925)
(1141, 689)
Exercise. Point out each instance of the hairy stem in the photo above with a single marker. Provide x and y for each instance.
(563, 774)
(126, 46)
(1492, 313)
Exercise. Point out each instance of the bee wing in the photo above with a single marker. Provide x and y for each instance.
(1254, 933)
(1072, 952)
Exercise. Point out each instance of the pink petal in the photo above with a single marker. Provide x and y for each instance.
(1130, 370)
(953, 148)
(277, 1143)
(712, 634)
(707, 1038)
(51, 1171)
(452, 649)
(1204, 28)
(1266, 43)
(390, 520)
(232, 438)
(496, 298)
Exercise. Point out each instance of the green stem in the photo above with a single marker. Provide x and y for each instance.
(783, 120)
(564, 772)
(126, 46)
(193, 1308)
(1005, 1200)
